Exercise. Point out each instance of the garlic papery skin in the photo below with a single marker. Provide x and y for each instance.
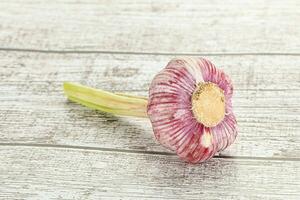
(190, 108)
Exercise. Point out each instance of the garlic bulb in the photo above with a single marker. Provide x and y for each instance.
(189, 107)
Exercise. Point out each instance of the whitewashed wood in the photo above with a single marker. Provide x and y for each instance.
(53, 149)
(173, 26)
(54, 173)
(33, 109)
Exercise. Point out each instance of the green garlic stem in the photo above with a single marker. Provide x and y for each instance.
(115, 103)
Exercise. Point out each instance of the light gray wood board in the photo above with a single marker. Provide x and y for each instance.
(54, 173)
(173, 26)
(33, 109)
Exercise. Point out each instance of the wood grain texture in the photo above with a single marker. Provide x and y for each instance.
(51, 148)
(33, 109)
(166, 26)
(47, 173)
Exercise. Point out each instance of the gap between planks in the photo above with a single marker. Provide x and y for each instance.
(143, 90)
(147, 53)
(139, 152)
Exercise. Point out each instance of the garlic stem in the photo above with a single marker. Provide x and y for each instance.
(118, 104)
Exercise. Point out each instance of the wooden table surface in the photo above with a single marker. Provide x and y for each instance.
(54, 149)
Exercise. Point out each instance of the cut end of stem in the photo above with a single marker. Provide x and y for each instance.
(118, 104)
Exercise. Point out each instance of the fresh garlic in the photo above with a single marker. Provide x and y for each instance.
(189, 106)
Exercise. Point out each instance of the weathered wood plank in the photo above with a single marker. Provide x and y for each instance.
(173, 26)
(34, 110)
(54, 173)
(135, 72)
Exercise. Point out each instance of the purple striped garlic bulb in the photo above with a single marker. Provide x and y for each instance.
(189, 107)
